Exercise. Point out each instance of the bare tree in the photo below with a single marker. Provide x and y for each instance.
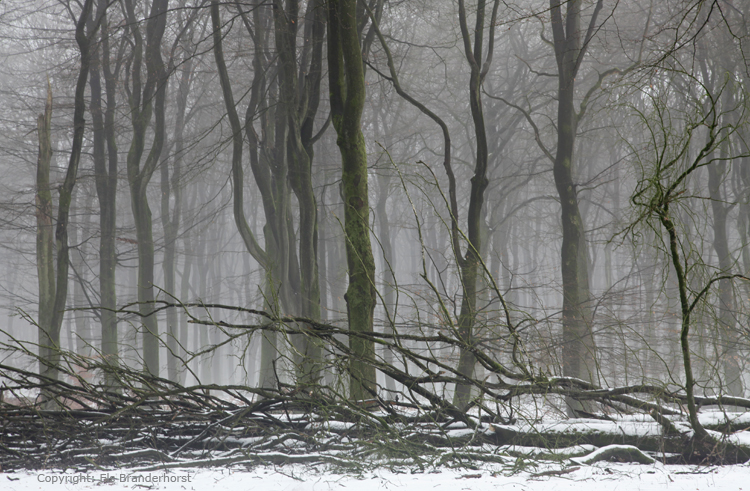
(146, 99)
(346, 80)
(54, 293)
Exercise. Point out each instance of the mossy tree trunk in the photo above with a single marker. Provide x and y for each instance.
(347, 91)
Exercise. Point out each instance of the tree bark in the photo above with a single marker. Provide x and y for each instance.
(171, 186)
(142, 106)
(578, 341)
(49, 333)
(470, 262)
(347, 88)
(45, 242)
(105, 158)
(299, 98)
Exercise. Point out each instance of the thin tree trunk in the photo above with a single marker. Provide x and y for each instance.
(189, 259)
(272, 185)
(728, 355)
(300, 115)
(469, 264)
(106, 189)
(143, 104)
(49, 341)
(83, 340)
(171, 220)
(323, 257)
(45, 238)
(389, 265)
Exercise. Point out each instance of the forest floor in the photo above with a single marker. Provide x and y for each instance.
(300, 453)
(201, 439)
(298, 477)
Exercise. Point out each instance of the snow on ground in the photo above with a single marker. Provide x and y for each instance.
(599, 477)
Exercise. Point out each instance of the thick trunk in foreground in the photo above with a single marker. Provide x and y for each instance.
(347, 86)
(578, 345)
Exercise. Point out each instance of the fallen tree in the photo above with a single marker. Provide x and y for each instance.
(152, 421)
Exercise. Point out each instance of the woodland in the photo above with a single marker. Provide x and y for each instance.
(409, 233)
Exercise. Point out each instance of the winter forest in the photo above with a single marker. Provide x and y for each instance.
(416, 230)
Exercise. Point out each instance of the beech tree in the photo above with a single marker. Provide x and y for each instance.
(478, 265)
(53, 285)
(146, 99)
(281, 163)
(106, 161)
(470, 262)
(346, 80)
(571, 43)
(299, 94)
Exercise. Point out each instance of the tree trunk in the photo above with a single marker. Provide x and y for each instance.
(271, 175)
(83, 340)
(151, 100)
(578, 341)
(189, 259)
(323, 257)
(105, 168)
(171, 219)
(299, 98)
(301, 121)
(389, 265)
(45, 239)
(470, 262)
(731, 370)
(54, 280)
(347, 87)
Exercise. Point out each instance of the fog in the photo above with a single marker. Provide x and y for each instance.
(551, 185)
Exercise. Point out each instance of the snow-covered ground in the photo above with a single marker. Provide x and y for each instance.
(489, 466)
(603, 476)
